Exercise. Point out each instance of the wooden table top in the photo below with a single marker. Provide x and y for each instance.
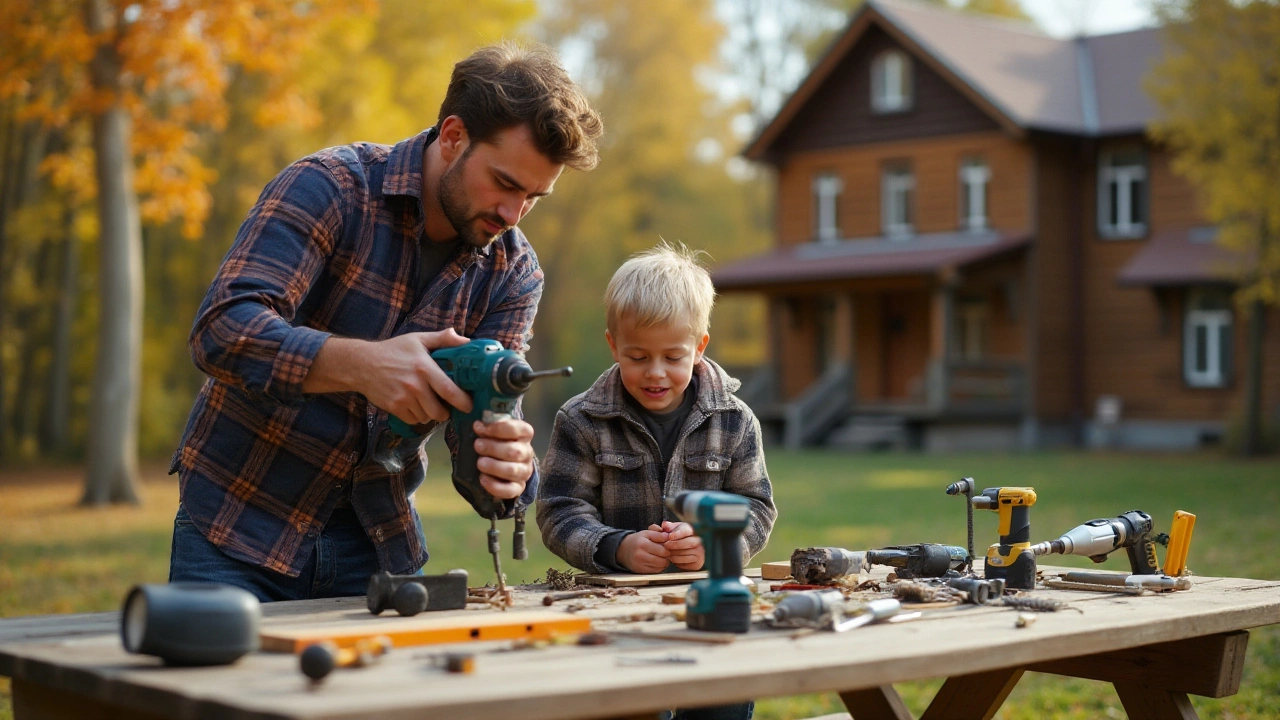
(82, 655)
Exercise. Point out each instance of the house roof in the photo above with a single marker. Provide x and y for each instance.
(868, 257)
(1024, 79)
(1186, 256)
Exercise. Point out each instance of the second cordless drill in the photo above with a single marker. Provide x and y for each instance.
(722, 601)
(1010, 559)
(495, 378)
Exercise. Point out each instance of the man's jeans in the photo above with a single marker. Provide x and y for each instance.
(343, 560)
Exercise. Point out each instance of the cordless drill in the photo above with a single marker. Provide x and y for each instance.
(495, 378)
(1098, 538)
(1010, 559)
(722, 601)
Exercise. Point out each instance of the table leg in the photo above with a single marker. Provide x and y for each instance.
(1146, 703)
(877, 703)
(978, 695)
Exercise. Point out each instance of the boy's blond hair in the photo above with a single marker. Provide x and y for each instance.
(664, 285)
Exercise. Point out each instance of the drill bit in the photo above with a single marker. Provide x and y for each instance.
(495, 550)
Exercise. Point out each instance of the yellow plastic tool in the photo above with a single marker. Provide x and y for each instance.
(1175, 559)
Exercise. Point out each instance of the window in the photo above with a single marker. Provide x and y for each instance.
(826, 205)
(1207, 339)
(974, 177)
(897, 190)
(891, 82)
(973, 319)
(1122, 194)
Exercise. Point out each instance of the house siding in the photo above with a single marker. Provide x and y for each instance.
(839, 113)
(935, 162)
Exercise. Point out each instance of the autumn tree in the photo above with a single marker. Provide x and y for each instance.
(144, 75)
(1218, 89)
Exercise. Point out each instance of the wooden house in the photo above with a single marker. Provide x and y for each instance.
(979, 247)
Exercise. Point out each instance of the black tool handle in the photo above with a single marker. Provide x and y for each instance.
(466, 475)
(1142, 557)
(1019, 526)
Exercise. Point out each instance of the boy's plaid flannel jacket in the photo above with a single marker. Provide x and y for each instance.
(601, 472)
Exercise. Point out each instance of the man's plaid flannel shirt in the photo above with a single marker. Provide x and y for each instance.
(330, 248)
(601, 470)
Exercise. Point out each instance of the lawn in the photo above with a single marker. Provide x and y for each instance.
(58, 558)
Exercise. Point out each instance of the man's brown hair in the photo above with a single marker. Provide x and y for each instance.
(507, 85)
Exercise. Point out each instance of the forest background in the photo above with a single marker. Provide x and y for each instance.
(223, 94)
(135, 135)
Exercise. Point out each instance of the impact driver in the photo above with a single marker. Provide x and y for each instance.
(722, 601)
(495, 378)
(1010, 559)
(1098, 538)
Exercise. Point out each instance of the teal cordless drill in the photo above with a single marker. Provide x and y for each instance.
(495, 378)
(722, 601)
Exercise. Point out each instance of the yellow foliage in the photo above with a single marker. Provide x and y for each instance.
(1218, 88)
(176, 58)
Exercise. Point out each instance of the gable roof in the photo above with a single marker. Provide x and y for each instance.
(1023, 78)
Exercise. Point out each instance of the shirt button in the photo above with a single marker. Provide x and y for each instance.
(312, 534)
(714, 464)
(377, 534)
(354, 457)
(338, 487)
(304, 525)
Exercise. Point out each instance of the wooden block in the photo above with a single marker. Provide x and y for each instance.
(1209, 666)
(404, 632)
(634, 580)
(775, 571)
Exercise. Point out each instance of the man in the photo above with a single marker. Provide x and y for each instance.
(354, 264)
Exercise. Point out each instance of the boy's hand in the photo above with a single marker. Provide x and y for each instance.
(642, 552)
(506, 456)
(685, 548)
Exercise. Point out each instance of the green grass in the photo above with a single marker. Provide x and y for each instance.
(57, 558)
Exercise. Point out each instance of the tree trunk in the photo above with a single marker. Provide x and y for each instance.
(58, 416)
(1253, 440)
(113, 413)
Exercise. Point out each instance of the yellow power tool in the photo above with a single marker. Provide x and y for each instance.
(1010, 559)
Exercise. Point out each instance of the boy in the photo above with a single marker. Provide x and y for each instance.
(663, 419)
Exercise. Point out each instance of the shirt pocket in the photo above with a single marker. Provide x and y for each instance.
(705, 471)
(619, 462)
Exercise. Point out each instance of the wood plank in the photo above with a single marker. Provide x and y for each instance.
(32, 701)
(574, 683)
(881, 702)
(775, 570)
(405, 632)
(975, 696)
(637, 580)
(1209, 666)
(1144, 703)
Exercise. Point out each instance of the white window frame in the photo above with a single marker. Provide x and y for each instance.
(975, 178)
(891, 82)
(897, 200)
(826, 205)
(1127, 180)
(1215, 323)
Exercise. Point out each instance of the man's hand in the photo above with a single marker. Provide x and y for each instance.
(642, 552)
(684, 548)
(506, 456)
(397, 375)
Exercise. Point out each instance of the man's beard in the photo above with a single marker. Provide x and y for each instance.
(458, 211)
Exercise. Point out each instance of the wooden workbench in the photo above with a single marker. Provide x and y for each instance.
(1155, 649)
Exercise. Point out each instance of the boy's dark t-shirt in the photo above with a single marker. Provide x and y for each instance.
(665, 429)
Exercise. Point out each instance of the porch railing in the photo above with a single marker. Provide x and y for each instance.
(976, 387)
